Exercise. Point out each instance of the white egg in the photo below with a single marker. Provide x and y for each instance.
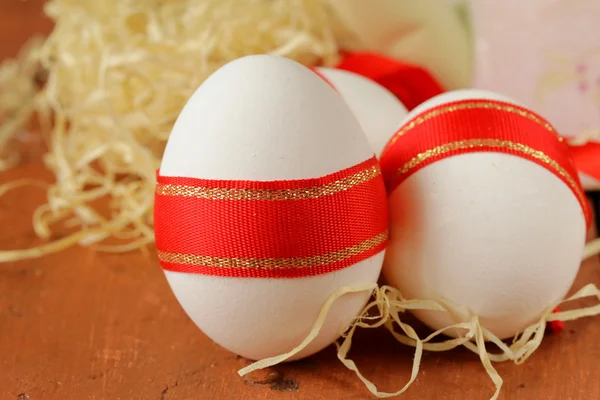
(378, 111)
(263, 119)
(492, 231)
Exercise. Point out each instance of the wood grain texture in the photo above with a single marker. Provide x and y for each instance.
(88, 325)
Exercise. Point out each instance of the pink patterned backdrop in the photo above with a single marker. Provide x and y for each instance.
(544, 54)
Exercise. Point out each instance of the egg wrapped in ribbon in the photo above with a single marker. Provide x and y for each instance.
(268, 199)
(486, 211)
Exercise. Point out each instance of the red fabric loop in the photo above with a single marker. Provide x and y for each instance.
(476, 126)
(274, 229)
(411, 84)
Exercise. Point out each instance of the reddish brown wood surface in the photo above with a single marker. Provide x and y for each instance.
(87, 325)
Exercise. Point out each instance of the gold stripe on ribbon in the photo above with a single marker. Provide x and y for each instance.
(274, 263)
(469, 106)
(269, 194)
(499, 143)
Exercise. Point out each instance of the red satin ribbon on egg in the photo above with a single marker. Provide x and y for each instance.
(278, 229)
(413, 85)
(478, 126)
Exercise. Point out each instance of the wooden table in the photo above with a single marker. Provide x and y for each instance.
(86, 325)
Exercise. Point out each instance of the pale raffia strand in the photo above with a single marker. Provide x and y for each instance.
(119, 73)
(585, 137)
(18, 92)
(592, 248)
(389, 304)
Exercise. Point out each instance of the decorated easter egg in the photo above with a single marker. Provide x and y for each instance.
(378, 111)
(486, 210)
(268, 199)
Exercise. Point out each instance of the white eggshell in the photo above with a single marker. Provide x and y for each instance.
(267, 118)
(378, 111)
(491, 231)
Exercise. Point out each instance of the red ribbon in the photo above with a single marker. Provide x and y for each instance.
(278, 229)
(476, 126)
(557, 326)
(413, 85)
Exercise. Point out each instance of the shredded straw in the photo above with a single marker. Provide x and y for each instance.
(118, 74)
(18, 90)
(389, 304)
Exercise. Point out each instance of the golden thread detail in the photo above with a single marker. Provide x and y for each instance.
(505, 144)
(469, 106)
(269, 194)
(274, 263)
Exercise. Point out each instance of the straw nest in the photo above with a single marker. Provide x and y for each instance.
(118, 74)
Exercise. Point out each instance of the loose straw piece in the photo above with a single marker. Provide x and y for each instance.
(591, 248)
(268, 362)
(45, 249)
(6, 187)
